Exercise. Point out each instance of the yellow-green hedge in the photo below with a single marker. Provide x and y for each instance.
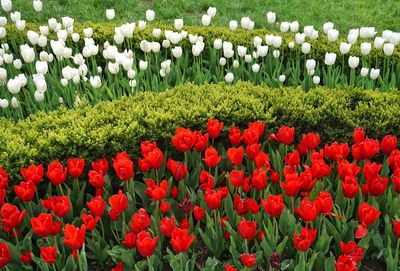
(109, 127)
(105, 31)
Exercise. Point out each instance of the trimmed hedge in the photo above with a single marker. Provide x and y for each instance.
(109, 127)
(105, 32)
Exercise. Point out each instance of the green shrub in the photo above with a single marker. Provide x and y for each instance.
(109, 127)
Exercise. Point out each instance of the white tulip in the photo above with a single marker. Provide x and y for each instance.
(284, 27)
(142, 25)
(395, 39)
(4, 103)
(43, 56)
(6, 5)
(39, 96)
(344, 48)
(52, 23)
(78, 59)
(131, 74)
(228, 53)
(248, 58)
(257, 41)
(245, 22)
(206, 20)
(229, 77)
(242, 51)
(64, 82)
(388, 49)
(132, 83)
(233, 25)
(110, 14)
(314, 35)
(41, 85)
(143, 65)
(364, 72)
(271, 17)
(365, 48)
(67, 21)
(127, 63)
(262, 50)
(269, 39)
(367, 32)
(291, 44)
(352, 39)
(156, 32)
(3, 74)
(333, 35)
(235, 64)
(37, 5)
(3, 32)
(330, 58)
(316, 80)
(282, 78)
(14, 102)
(8, 58)
(75, 37)
(95, 81)
(14, 86)
(88, 32)
(166, 43)
(378, 42)
(300, 38)
(119, 38)
(222, 61)
(193, 38)
(374, 74)
(20, 25)
(113, 67)
(217, 44)
(277, 42)
(178, 24)
(308, 30)
(150, 15)
(276, 53)
(17, 64)
(41, 67)
(306, 48)
(145, 46)
(255, 68)
(27, 53)
(32, 37)
(67, 52)
(212, 11)
(327, 26)
(15, 16)
(3, 21)
(355, 32)
(387, 34)
(177, 51)
(294, 26)
(353, 62)
(310, 64)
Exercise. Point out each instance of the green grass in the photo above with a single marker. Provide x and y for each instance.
(346, 14)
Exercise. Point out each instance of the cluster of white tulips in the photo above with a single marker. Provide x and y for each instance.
(73, 67)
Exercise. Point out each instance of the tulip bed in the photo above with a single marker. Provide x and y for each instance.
(259, 202)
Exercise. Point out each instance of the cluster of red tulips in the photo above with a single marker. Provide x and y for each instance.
(262, 203)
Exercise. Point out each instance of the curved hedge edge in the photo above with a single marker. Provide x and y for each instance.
(105, 32)
(110, 127)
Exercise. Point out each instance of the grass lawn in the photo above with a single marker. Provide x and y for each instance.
(346, 14)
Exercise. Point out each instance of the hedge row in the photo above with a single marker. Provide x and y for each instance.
(105, 32)
(109, 127)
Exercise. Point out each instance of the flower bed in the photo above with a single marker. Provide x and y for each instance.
(258, 201)
(110, 127)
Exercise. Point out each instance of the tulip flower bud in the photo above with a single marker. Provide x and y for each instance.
(206, 20)
(110, 14)
(14, 102)
(212, 11)
(277, 42)
(4, 103)
(88, 32)
(222, 61)
(395, 39)
(282, 78)
(242, 51)
(374, 74)
(132, 83)
(291, 44)
(233, 25)
(378, 42)
(365, 48)
(257, 41)
(150, 15)
(245, 22)
(269, 39)
(235, 64)
(316, 80)
(17, 64)
(64, 82)
(353, 62)
(229, 77)
(3, 74)
(255, 68)
(364, 72)
(39, 96)
(271, 17)
(276, 53)
(166, 43)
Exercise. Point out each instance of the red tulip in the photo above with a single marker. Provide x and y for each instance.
(96, 206)
(206, 181)
(252, 134)
(292, 159)
(262, 161)
(11, 217)
(5, 255)
(388, 144)
(367, 215)
(350, 187)
(26, 257)
(184, 139)
(320, 169)
(396, 228)
(178, 169)
(123, 166)
(174, 192)
(181, 240)
(252, 151)
(48, 254)
(365, 149)
(198, 213)
(146, 147)
(275, 177)
(351, 249)
(119, 203)
(377, 186)
(129, 240)
(247, 229)
(96, 179)
(310, 141)
(43, 225)
(325, 202)
(185, 223)
(60, 205)
(235, 155)
(74, 237)
(212, 199)
(303, 241)
(308, 210)
(89, 221)
(211, 157)
(273, 205)
(3, 178)
(214, 128)
(259, 179)
(394, 159)
(358, 135)
(292, 184)
(229, 267)
(33, 173)
(145, 244)
(337, 151)
(235, 136)
(307, 179)
(165, 206)
(396, 183)
(248, 260)
(156, 192)
(236, 178)
(75, 167)
(346, 263)
(140, 221)
(167, 226)
(118, 267)
(25, 191)
(346, 168)
(201, 141)
(371, 170)
(101, 165)
(56, 173)
(285, 135)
